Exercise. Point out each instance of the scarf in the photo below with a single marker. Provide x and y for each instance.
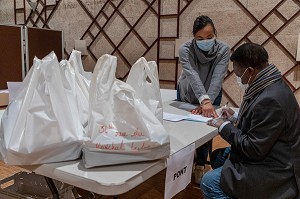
(263, 79)
(203, 62)
(202, 57)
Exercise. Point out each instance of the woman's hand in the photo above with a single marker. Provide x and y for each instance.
(208, 109)
(197, 111)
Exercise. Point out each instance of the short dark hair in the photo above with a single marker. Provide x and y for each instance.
(250, 55)
(201, 21)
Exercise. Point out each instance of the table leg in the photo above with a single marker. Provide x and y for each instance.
(52, 187)
(75, 193)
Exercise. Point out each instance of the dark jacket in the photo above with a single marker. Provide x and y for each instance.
(265, 158)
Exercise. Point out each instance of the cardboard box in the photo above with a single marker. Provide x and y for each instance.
(3, 99)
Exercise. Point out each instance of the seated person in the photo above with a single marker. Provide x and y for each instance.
(264, 161)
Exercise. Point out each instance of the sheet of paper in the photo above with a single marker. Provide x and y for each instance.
(197, 118)
(173, 117)
(179, 171)
(191, 117)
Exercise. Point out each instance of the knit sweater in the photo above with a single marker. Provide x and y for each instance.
(202, 73)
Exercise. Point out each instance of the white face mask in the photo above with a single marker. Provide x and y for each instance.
(241, 85)
(239, 81)
(206, 44)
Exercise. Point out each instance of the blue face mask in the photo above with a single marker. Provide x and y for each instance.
(206, 44)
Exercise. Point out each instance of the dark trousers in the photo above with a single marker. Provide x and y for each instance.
(203, 151)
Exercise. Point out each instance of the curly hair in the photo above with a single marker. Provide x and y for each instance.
(250, 55)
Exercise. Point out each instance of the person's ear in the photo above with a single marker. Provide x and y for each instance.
(251, 70)
(252, 74)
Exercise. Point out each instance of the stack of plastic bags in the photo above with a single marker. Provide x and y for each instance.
(121, 127)
(62, 111)
(42, 124)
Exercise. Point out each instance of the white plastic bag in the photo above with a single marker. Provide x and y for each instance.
(41, 124)
(75, 57)
(143, 77)
(121, 127)
(76, 85)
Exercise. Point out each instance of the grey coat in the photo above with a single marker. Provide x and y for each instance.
(265, 148)
(202, 74)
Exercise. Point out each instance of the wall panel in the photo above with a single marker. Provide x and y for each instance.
(130, 29)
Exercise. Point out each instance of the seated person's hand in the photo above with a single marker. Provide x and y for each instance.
(217, 122)
(227, 112)
(208, 109)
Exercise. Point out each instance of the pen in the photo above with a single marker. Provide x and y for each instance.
(225, 106)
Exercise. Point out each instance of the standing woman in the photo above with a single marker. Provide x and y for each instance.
(204, 61)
